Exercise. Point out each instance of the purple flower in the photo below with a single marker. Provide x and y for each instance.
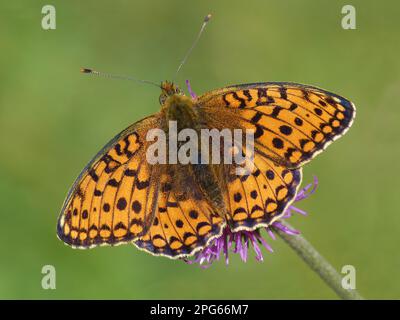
(240, 242)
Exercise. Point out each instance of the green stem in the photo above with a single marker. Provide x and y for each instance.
(318, 263)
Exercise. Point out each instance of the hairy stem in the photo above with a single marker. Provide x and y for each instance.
(318, 263)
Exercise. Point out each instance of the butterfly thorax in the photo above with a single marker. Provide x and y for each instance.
(181, 109)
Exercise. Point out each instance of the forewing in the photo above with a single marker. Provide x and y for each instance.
(292, 123)
(114, 199)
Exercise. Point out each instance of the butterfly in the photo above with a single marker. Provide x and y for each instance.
(176, 210)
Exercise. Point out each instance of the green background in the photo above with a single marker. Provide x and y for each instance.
(54, 119)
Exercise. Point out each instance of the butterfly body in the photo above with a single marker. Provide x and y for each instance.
(176, 209)
(187, 114)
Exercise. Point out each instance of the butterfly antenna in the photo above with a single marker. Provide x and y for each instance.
(117, 76)
(203, 26)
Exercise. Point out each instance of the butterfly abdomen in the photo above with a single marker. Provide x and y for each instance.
(207, 179)
(182, 110)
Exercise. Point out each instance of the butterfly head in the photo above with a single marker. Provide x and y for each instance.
(168, 89)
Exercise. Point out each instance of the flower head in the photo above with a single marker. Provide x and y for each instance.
(240, 242)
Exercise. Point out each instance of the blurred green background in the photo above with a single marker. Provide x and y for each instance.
(54, 119)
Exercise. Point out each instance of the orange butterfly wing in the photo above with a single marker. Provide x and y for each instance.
(184, 223)
(292, 123)
(114, 199)
(260, 198)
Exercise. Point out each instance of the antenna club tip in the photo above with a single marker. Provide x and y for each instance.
(208, 17)
(86, 70)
